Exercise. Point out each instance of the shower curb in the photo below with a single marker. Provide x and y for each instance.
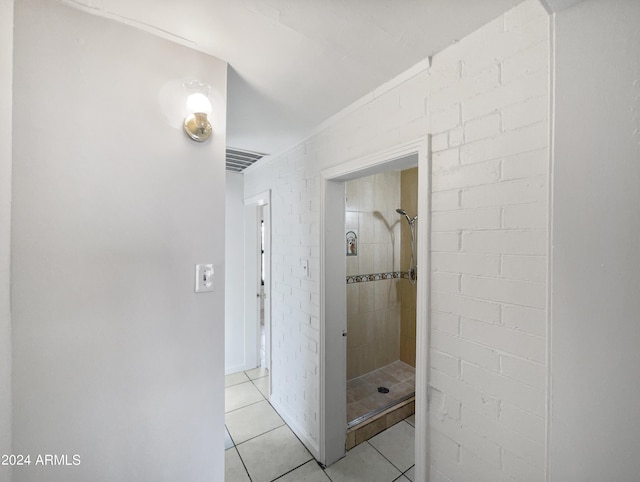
(379, 422)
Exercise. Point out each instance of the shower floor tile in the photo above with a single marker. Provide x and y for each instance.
(356, 410)
(401, 371)
(362, 392)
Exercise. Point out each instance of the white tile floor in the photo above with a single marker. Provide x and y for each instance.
(260, 447)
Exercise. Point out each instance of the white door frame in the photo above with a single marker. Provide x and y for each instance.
(252, 276)
(333, 298)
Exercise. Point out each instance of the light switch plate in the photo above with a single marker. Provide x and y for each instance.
(204, 278)
(304, 264)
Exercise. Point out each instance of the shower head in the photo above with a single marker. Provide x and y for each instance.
(404, 213)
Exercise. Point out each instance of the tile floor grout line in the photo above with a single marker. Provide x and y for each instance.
(296, 436)
(324, 471)
(244, 381)
(239, 383)
(301, 443)
(293, 433)
(398, 468)
(232, 441)
(257, 388)
(405, 472)
(263, 433)
(235, 384)
(256, 436)
(248, 405)
(235, 447)
(392, 464)
(257, 378)
(264, 399)
(407, 420)
(295, 468)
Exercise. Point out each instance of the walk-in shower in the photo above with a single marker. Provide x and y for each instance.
(381, 297)
(411, 272)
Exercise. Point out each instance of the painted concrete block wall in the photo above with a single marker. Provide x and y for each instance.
(294, 296)
(489, 99)
(115, 357)
(373, 307)
(595, 309)
(6, 81)
(485, 99)
(294, 178)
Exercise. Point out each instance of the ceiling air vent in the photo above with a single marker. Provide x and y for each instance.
(238, 159)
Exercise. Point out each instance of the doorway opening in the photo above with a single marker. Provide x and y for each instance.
(258, 277)
(335, 370)
(261, 333)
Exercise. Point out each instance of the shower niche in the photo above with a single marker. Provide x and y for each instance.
(381, 301)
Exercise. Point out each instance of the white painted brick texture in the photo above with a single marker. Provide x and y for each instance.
(379, 121)
(489, 95)
(485, 100)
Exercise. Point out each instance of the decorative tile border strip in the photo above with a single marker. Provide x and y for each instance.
(361, 278)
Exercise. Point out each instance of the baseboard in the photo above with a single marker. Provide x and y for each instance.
(297, 429)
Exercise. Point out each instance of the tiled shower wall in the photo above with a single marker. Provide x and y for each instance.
(409, 202)
(373, 307)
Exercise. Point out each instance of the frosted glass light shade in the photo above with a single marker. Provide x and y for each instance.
(198, 102)
(196, 124)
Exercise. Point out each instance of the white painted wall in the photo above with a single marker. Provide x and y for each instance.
(489, 100)
(115, 357)
(485, 99)
(235, 329)
(6, 79)
(595, 358)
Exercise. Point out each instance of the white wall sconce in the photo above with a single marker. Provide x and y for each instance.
(196, 124)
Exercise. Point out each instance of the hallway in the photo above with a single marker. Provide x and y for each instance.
(260, 447)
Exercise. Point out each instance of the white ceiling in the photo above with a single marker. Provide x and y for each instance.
(294, 63)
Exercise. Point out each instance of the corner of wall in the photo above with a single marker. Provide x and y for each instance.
(235, 317)
(546, 5)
